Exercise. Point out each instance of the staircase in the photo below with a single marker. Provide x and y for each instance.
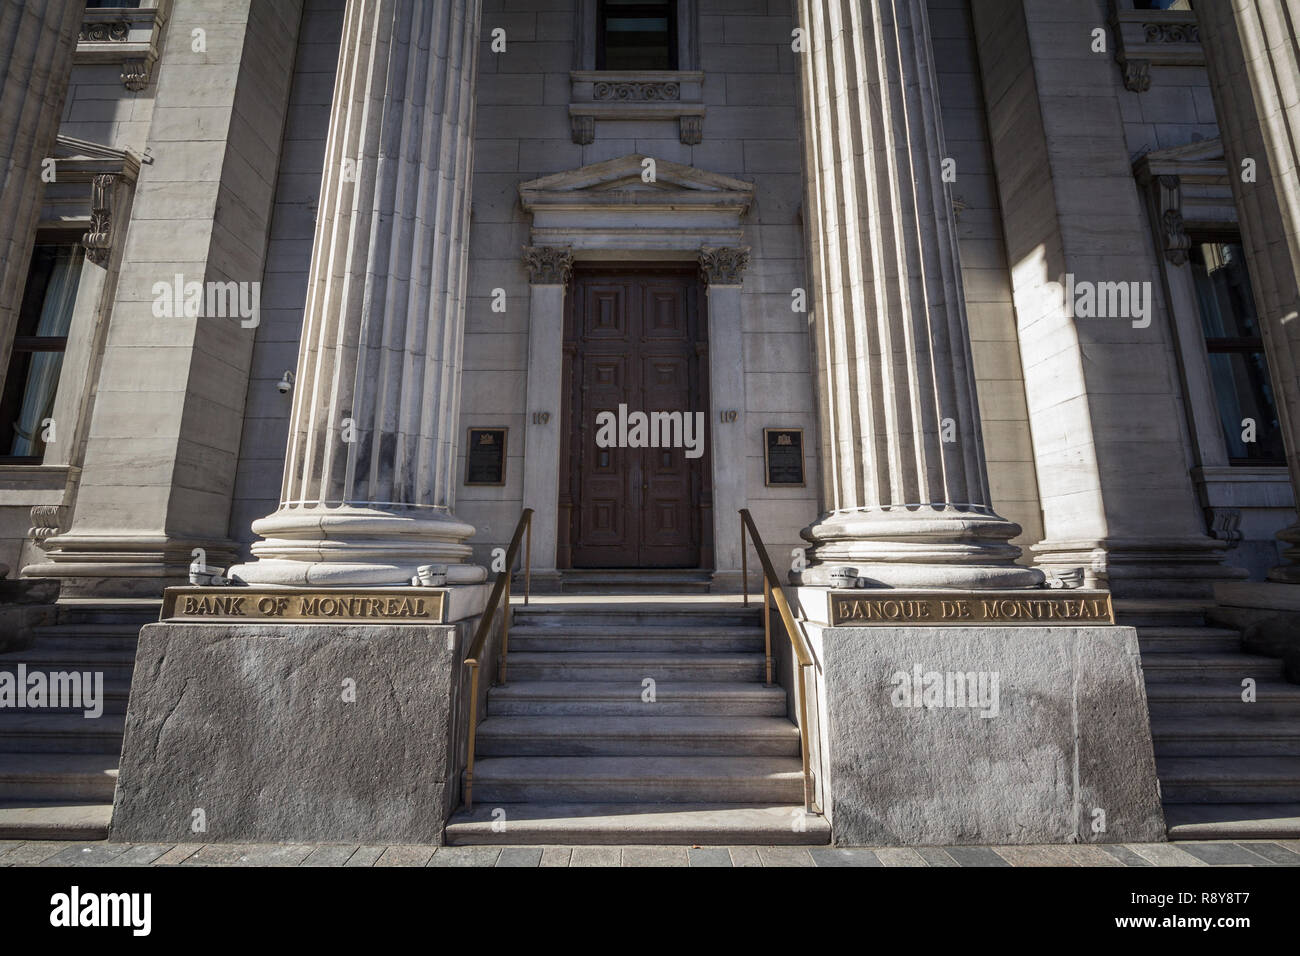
(579, 747)
(58, 767)
(1228, 769)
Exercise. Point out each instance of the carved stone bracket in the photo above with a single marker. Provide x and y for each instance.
(1170, 200)
(1137, 75)
(1225, 525)
(582, 129)
(47, 521)
(99, 239)
(690, 130)
(724, 265)
(548, 265)
(136, 74)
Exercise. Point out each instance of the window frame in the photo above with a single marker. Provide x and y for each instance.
(673, 12)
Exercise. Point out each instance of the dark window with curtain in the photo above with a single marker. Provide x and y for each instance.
(636, 35)
(101, 4)
(40, 340)
(1232, 338)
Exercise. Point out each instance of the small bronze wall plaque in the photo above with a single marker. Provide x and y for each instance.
(894, 608)
(305, 605)
(485, 456)
(783, 457)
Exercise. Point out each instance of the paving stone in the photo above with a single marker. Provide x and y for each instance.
(843, 856)
(465, 856)
(365, 856)
(655, 856)
(29, 854)
(556, 855)
(1125, 854)
(744, 856)
(1090, 854)
(1034, 855)
(784, 856)
(596, 856)
(85, 854)
(178, 854)
(6, 846)
(899, 856)
(250, 854)
(141, 854)
(520, 856)
(709, 856)
(406, 856)
(974, 856)
(329, 856)
(1224, 854)
(1165, 854)
(934, 856)
(1275, 853)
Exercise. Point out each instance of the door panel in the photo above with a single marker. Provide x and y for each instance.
(634, 338)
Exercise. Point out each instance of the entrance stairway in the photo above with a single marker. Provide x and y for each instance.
(1228, 769)
(58, 768)
(645, 720)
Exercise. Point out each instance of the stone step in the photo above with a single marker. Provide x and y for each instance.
(1229, 779)
(639, 735)
(685, 640)
(94, 612)
(773, 780)
(1225, 736)
(34, 820)
(1161, 640)
(1221, 697)
(1138, 612)
(1229, 667)
(579, 666)
(1233, 821)
(63, 778)
(88, 629)
(631, 824)
(619, 581)
(112, 664)
(672, 699)
(680, 614)
(53, 732)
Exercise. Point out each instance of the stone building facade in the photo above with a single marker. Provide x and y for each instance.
(215, 155)
(1014, 280)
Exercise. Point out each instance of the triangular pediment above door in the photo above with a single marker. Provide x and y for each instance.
(610, 206)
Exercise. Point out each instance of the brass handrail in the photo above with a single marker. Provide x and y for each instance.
(773, 591)
(500, 587)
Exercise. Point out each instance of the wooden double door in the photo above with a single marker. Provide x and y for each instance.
(636, 339)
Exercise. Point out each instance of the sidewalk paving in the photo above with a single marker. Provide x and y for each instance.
(1218, 853)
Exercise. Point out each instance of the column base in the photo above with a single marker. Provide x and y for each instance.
(357, 547)
(917, 548)
(1173, 568)
(1288, 573)
(124, 566)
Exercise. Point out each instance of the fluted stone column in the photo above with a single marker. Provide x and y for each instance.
(369, 473)
(37, 40)
(904, 478)
(1251, 51)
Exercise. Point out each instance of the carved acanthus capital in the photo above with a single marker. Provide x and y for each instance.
(724, 265)
(548, 265)
(1169, 198)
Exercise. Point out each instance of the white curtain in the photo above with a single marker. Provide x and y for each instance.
(43, 372)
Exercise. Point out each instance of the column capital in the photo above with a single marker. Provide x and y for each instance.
(548, 265)
(723, 265)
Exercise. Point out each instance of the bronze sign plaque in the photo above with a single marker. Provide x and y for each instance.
(485, 456)
(305, 605)
(783, 457)
(892, 608)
